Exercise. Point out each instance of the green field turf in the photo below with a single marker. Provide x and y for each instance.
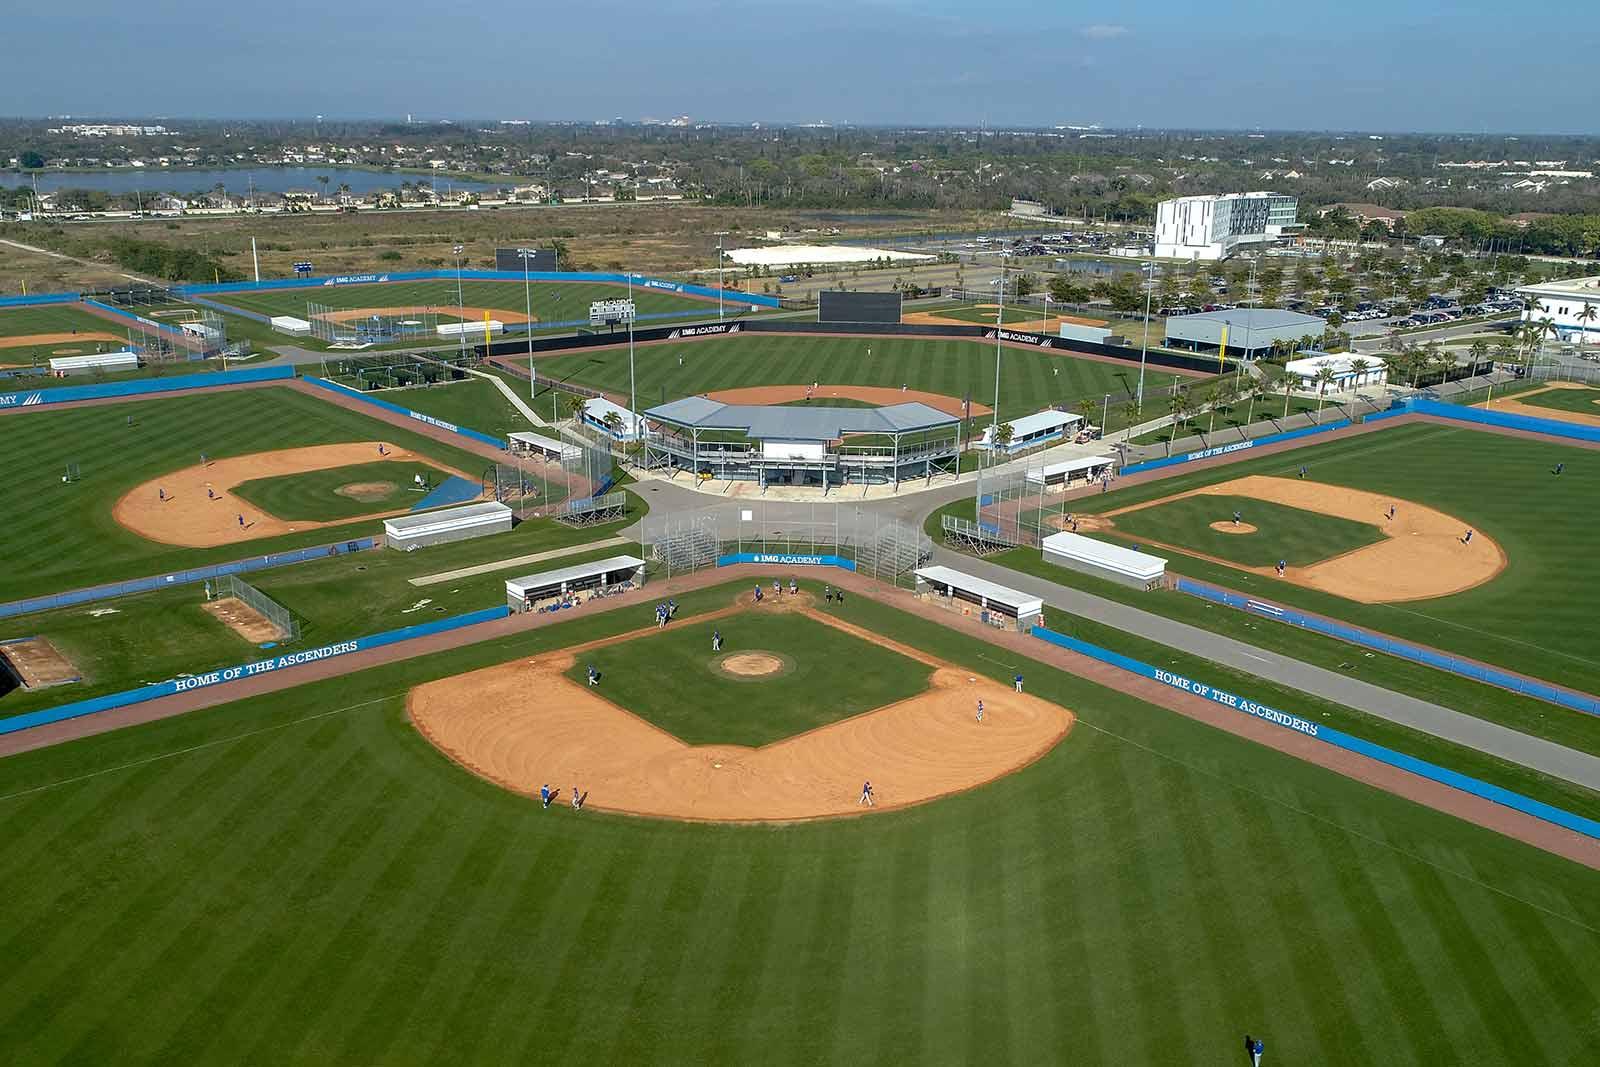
(300, 878)
(313, 495)
(62, 537)
(1583, 401)
(1293, 534)
(552, 301)
(471, 402)
(56, 318)
(1029, 381)
(704, 706)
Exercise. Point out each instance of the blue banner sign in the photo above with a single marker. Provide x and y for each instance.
(786, 559)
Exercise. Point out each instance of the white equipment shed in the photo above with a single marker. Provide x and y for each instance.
(1104, 560)
(1035, 429)
(1000, 605)
(470, 329)
(105, 361)
(406, 532)
(549, 447)
(292, 325)
(536, 590)
(1061, 475)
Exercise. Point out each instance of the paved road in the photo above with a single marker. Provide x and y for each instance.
(1442, 722)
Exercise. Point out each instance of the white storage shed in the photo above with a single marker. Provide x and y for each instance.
(406, 532)
(104, 361)
(1103, 559)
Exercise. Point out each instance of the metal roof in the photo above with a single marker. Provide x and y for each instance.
(1019, 602)
(576, 572)
(782, 423)
(446, 519)
(1254, 319)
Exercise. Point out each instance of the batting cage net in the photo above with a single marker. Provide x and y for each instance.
(366, 327)
(1025, 501)
(558, 472)
(785, 534)
(395, 370)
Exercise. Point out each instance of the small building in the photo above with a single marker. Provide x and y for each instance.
(1062, 475)
(527, 443)
(470, 329)
(1347, 375)
(1090, 330)
(291, 325)
(998, 605)
(1572, 305)
(1214, 226)
(1245, 332)
(1102, 559)
(110, 362)
(1035, 429)
(626, 426)
(572, 584)
(408, 532)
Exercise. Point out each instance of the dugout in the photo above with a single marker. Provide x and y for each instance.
(1035, 429)
(408, 532)
(521, 442)
(534, 591)
(997, 605)
(1061, 475)
(1102, 559)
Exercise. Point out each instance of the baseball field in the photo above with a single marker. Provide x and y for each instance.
(304, 877)
(65, 535)
(31, 335)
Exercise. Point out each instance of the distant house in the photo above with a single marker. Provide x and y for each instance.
(1365, 213)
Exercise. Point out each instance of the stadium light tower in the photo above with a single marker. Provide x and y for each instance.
(461, 304)
(720, 235)
(999, 325)
(527, 299)
(633, 396)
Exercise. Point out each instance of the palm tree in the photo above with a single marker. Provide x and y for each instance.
(613, 423)
(1585, 317)
(575, 405)
(1248, 389)
(1003, 435)
(323, 179)
(1325, 378)
(1181, 409)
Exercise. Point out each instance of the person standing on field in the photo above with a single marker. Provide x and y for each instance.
(866, 795)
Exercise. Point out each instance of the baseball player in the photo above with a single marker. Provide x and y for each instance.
(594, 675)
(758, 593)
(777, 588)
(210, 494)
(1254, 1046)
(980, 712)
(827, 594)
(1018, 681)
(161, 493)
(577, 799)
(1302, 472)
(544, 794)
(1560, 467)
(866, 795)
(1236, 518)
(672, 608)
(793, 587)
(838, 594)
(1466, 538)
(241, 521)
(716, 640)
(203, 462)
(1391, 511)
(380, 450)
(1281, 565)
(130, 420)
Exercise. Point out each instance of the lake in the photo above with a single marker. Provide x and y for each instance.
(183, 180)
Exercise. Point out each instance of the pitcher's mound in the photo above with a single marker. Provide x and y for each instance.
(749, 665)
(366, 492)
(1233, 527)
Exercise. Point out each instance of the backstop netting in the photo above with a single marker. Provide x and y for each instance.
(1021, 503)
(785, 534)
(365, 327)
(230, 585)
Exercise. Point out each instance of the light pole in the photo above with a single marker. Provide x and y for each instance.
(461, 304)
(1105, 413)
(527, 299)
(999, 326)
(720, 235)
(1144, 341)
(633, 396)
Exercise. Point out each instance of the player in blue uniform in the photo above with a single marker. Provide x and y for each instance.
(544, 794)
(594, 675)
(1018, 681)
(866, 794)
(980, 711)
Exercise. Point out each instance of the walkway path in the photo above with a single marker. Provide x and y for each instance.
(1434, 719)
(81, 262)
(516, 401)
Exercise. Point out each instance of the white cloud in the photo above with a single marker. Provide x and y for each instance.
(1103, 31)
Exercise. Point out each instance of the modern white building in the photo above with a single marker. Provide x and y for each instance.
(1216, 226)
(1572, 305)
(1347, 376)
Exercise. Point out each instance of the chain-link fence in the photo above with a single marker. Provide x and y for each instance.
(785, 535)
(230, 585)
(1023, 502)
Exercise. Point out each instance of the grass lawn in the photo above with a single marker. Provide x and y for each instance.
(1029, 380)
(1584, 401)
(471, 402)
(124, 643)
(704, 706)
(552, 301)
(313, 496)
(62, 537)
(1293, 534)
(299, 878)
(57, 318)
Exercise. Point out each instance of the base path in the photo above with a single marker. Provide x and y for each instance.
(189, 517)
(879, 396)
(25, 340)
(525, 724)
(1422, 555)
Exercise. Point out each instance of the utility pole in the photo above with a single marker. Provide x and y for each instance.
(720, 234)
(527, 299)
(999, 325)
(461, 304)
(633, 396)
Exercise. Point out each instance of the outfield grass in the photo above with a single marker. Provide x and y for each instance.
(62, 537)
(299, 878)
(1583, 401)
(56, 318)
(471, 402)
(313, 496)
(1029, 380)
(552, 301)
(703, 706)
(131, 641)
(1284, 533)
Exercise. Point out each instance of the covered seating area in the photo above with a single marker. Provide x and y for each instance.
(567, 587)
(995, 604)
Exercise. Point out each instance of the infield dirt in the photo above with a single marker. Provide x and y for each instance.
(190, 518)
(525, 724)
(30, 339)
(880, 396)
(1514, 405)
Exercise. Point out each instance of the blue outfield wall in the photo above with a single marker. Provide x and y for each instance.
(112, 590)
(1327, 735)
(1431, 657)
(96, 705)
(38, 300)
(335, 387)
(656, 284)
(143, 387)
(1237, 446)
(786, 559)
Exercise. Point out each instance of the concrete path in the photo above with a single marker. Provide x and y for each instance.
(1480, 734)
(516, 401)
(514, 561)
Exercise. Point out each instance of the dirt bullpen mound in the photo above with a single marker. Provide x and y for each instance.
(524, 724)
(188, 516)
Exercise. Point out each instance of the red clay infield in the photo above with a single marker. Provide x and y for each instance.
(878, 396)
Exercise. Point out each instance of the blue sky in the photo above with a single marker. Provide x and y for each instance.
(1469, 65)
